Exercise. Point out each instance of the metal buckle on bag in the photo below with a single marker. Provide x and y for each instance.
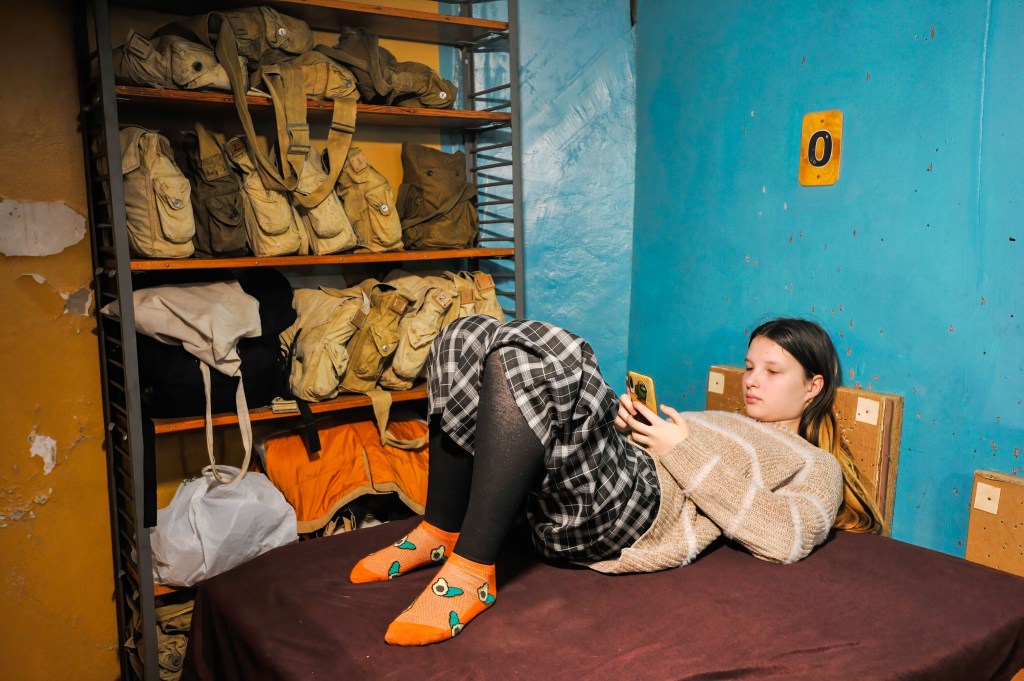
(359, 319)
(398, 304)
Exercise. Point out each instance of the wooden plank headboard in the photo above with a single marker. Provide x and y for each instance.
(870, 422)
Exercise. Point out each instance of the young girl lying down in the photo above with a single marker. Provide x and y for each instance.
(521, 421)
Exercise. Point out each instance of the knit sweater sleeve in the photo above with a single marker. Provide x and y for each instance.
(769, 490)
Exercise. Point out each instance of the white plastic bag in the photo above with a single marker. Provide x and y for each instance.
(211, 526)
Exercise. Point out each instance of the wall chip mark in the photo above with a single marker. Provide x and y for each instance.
(78, 303)
(867, 78)
(983, 300)
(951, 328)
(38, 227)
(933, 33)
(929, 167)
(45, 447)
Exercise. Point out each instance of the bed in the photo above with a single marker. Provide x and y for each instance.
(859, 607)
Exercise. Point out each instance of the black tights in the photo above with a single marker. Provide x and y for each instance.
(479, 495)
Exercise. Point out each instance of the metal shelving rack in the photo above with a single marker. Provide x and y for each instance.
(486, 125)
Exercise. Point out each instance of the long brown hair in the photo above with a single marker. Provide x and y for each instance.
(811, 345)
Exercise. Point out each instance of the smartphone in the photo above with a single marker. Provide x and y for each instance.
(641, 389)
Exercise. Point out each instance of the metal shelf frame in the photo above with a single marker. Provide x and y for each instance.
(493, 159)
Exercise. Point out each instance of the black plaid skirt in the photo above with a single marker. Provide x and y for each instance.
(599, 492)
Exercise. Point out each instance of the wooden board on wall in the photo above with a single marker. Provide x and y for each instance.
(870, 422)
(995, 530)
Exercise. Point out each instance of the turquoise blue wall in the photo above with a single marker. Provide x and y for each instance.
(912, 260)
(578, 148)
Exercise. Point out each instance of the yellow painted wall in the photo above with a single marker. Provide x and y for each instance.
(58, 618)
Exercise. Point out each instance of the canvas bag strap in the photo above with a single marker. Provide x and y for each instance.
(285, 83)
(381, 400)
(244, 425)
(212, 164)
(227, 55)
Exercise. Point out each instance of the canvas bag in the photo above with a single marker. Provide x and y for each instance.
(436, 205)
(268, 42)
(170, 378)
(369, 204)
(208, 320)
(370, 350)
(157, 196)
(168, 62)
(383, 79)
(221, 229)
(434, 306)
(476, 294)
(273, 225)
(328, 229)
(376, 337)
(316, 342)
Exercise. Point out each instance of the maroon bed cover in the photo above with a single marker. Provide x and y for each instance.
(860, 607)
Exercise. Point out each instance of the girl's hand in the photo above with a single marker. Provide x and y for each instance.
(626, 410)
(661, 435)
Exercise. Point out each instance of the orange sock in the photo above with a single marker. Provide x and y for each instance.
(461, 590)
(424, 546)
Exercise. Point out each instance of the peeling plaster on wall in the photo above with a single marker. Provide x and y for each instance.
(38, 227)
(77, 302)
(45, 447)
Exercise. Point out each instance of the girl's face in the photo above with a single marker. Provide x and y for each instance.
(775, 386)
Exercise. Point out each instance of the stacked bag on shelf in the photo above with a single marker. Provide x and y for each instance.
(235, 197)
(375, 336)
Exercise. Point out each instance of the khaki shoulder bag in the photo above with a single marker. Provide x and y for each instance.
(274, 227)
(434, 306)
(157, 196)
(477, 294)
(436, 205)
(316, 342)
(369, 204)
(216, 196)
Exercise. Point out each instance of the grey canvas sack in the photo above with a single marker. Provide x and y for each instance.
(157, 196)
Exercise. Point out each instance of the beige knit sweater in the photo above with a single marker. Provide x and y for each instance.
(759, 484)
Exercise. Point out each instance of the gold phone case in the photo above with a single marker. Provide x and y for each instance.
(641, 389)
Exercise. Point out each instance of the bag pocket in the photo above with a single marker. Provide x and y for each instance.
(378, 343)
(317, 369)
(327, 218)
(271, 209)
(224, 214)
(414, 347)
(174, 208)
(383, 230)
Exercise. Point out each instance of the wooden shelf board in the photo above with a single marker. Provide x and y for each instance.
(306, 260)
(330, 15)
(367, 114)
(346, 401)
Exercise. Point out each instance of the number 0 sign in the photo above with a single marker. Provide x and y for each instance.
(820, 147)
